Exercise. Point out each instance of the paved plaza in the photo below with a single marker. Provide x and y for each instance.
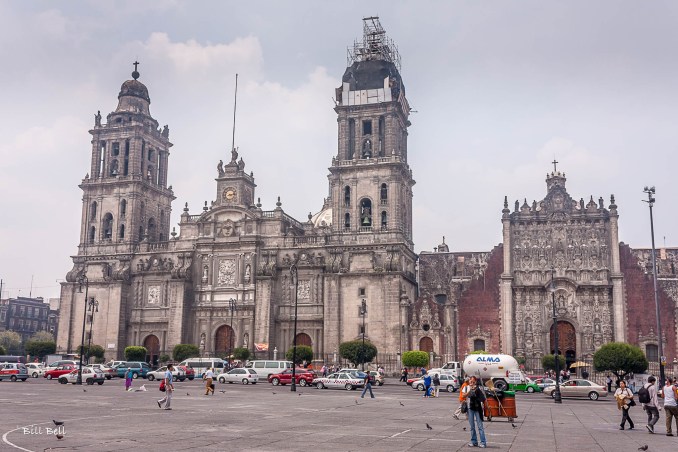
(266, 418)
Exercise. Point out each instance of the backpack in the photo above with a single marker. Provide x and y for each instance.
(644, 395)
(162, 386)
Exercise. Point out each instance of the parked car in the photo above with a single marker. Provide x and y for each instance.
(35, 370)
(108, 372)
(377, 377)
(578, 388)
(302, 377)
(239, 375)
(448, 383)
(342, 380)
(358, 374)
(177, 374)
(139, 369)
(13, 372)
(188, 370)
(59, 371)
(89, 376)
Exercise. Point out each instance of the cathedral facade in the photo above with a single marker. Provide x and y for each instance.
(234, 273)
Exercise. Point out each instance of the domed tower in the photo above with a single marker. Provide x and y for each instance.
(126, 199)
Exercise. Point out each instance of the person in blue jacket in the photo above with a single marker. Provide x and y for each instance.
(427, 384)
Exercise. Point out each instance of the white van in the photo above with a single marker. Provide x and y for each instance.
(266, 368)
(200, 365)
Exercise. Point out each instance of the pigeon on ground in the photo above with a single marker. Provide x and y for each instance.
(58, 422)
(401, 403)
(643, 447)
(356, 402)
(188, 394)
(300, 394)
(224, 392)
(513, 425)
(60, 436)
(464, 428)
(84, 390)
(274, 392)
(429, 427)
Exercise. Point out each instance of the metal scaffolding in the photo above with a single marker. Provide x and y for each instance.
(375, 45)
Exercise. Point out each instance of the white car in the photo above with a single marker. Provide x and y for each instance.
(89, 376)
(239, 375)
(448, 383)
(177, 374)
(35, 370)
(342, 380)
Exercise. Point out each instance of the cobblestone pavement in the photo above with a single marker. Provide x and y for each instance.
(266, 418)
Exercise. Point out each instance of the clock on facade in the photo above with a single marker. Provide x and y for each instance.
(229, 194)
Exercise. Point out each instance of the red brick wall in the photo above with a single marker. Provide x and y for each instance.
(640, 306)
(480, 304)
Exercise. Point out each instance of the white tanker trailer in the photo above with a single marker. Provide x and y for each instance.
(498, 368)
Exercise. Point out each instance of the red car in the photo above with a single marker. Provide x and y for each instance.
(59, 371)
(303, 377)
(188, 370)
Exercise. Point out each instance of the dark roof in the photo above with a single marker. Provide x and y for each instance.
(370, 74)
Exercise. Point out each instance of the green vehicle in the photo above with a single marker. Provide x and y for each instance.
(525, 385)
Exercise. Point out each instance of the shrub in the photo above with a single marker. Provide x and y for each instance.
(164, 358)
(355, 353)
(2, 350)
(548, 362)
(184, 351)
(39, 349)
(620, 358)
(135, 353)
(415, 358)
(241, 353)
(96, 350)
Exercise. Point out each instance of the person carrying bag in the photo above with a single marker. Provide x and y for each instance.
(625, 401)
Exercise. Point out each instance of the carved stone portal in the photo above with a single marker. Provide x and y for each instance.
(226, 272)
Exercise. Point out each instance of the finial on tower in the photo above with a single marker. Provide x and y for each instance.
(555, 167)
(135, 74)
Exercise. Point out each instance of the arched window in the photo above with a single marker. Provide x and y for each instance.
(365, 213)
(125, 170)
(121, 234)
(92, 234)
(652, 352)
(141, 233)
(384, 219)
(382, 131)
(478, 344)
(151, 230)
(347, 196)
(108, 226)
(351, 139)
(150, 155)
(383, 193)
(123, 208)
(93, 211)
(114, 168)
(347, 221)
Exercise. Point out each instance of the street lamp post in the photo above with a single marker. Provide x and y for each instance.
(82, 280)
(363, 313)
(556, 394)
(232, 305)
(295, 281)
(93, 306)
(650, 202)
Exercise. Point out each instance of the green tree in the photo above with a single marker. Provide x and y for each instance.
(44, 336)
(135, 353)
(2, 350)
(11, 342)
(164, 358)
(548, 362)
(96, 351)
(415, 358)
(355, 353)
(304, 353)
(620, 358)
(40, 349)
(184, 351)
(241, 353)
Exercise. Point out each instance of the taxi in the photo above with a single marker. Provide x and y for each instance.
(341, 380)
(13, 372)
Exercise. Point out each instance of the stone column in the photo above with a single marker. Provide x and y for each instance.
(506, 293)
(618, 304)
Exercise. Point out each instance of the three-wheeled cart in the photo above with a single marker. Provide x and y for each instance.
(500, 404)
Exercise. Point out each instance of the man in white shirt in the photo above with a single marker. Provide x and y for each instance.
(651, 407)
(670, 404)
(209, 379)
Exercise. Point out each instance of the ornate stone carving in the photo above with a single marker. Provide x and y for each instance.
(226, 274)
(304, 292)
(153, 295)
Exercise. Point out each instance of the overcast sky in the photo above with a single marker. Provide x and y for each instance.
(499, 89)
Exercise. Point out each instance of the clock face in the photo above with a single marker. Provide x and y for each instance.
(229, 194)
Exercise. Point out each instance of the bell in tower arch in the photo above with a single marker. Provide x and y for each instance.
(366, 213)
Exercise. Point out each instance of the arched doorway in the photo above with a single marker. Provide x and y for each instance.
(567, 341)
(224, 341)
(304, 339)
(426, 344)
(152, 345)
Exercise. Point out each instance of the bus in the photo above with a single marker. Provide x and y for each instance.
(200, 365)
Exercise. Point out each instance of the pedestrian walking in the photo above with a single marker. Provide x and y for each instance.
(368, 386)
(128, 379)
(169, 388)
(475, 397)
(648, 396)
(208, 377)
(625, 401)
(462, 400)
(403, 375)
(608, 380)
(436, 385)
(670, 392)
(427, 384)
(324, 370)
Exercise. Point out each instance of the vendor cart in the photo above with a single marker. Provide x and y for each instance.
(500, 404)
